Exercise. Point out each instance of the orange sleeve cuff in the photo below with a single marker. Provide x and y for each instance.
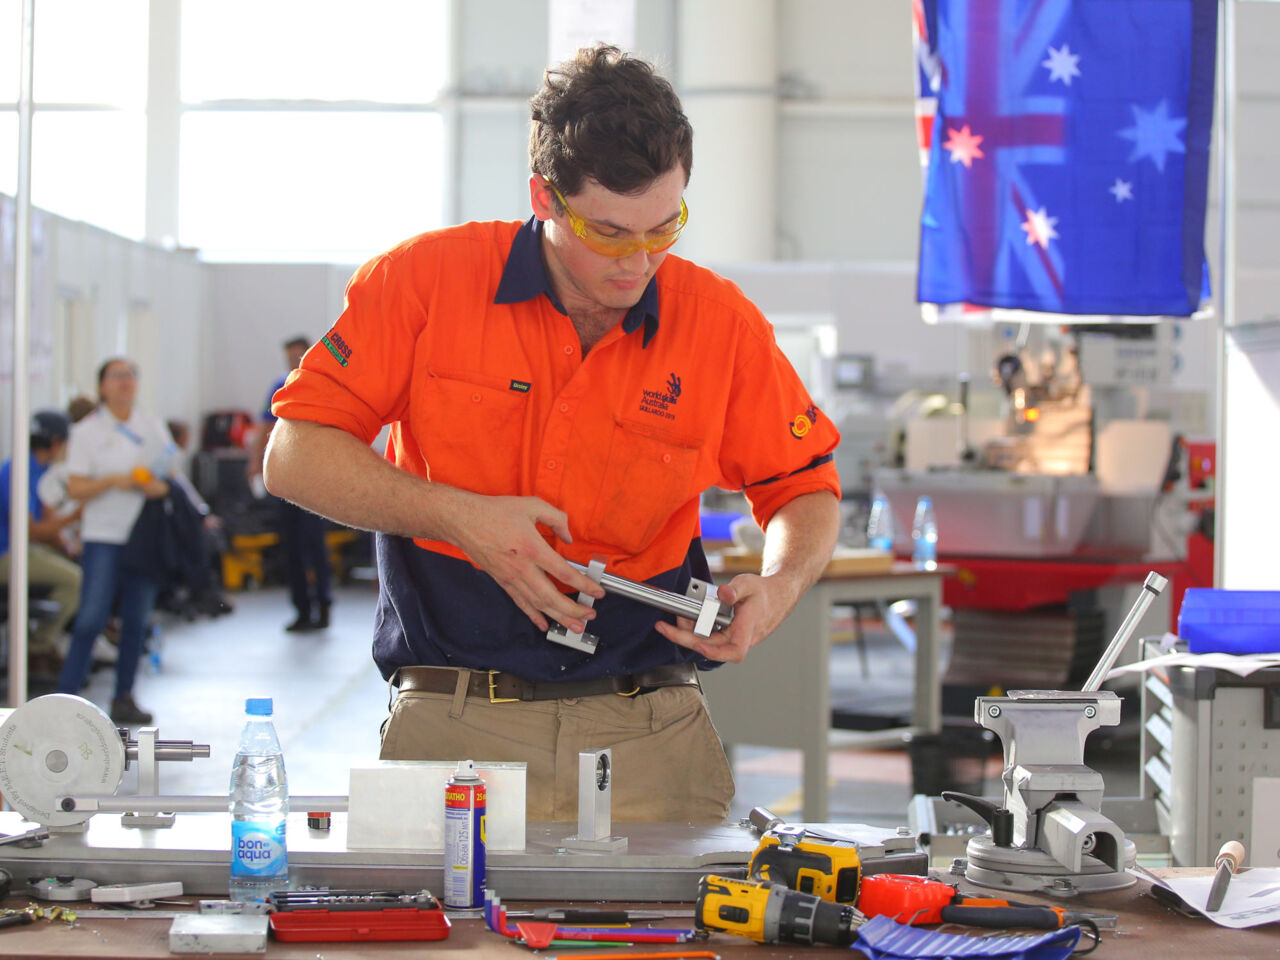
(768, 498)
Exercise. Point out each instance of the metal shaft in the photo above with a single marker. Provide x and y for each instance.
(171, 750)
(187, 804)
(656, 597)
(1150, 590)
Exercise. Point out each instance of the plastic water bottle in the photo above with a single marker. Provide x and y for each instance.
(259, 808)
(880, 524)
(924, 536)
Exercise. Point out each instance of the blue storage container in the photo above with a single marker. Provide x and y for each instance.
(1230, 621)
(719, 526)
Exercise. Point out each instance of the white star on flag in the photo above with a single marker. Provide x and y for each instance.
(1062, 64)
(963, 146)
(1122, 190)
(1039, 226)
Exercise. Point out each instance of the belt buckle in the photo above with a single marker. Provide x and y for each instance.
(627, 693)
(493, 693)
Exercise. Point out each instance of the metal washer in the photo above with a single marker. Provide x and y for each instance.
(55, 746)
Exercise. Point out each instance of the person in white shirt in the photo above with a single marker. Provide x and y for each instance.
(117, 458)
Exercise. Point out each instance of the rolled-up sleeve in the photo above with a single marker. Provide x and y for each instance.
(777, 443)
(357, 377)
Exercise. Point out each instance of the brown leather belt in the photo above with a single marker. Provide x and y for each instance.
(504, 688)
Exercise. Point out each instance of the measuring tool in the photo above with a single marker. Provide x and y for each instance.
(59, 745)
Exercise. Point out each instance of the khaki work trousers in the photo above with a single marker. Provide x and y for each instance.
(668, 764)
(46, 567)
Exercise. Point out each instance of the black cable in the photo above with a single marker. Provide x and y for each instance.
(1091, 928)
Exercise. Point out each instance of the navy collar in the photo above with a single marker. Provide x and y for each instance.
(525, 276)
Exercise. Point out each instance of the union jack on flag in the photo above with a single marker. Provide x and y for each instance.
(1067, 153)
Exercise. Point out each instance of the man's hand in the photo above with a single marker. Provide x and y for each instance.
(759, 605)
(501, 536)
(154, 489)
(797, 545)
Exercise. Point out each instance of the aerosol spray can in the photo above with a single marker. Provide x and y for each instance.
(464, 806)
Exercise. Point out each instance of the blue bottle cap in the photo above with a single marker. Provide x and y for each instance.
(258, 706)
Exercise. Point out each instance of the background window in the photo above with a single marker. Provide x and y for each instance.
(307, 186)
(395, 51)
(91, 166)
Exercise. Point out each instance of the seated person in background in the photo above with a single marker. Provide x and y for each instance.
(47, 564)
(53, 485)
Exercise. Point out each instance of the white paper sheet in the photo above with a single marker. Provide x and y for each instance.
(1241, 666)
(1253, 896)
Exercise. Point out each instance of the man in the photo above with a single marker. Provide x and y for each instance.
(301, 531)
(47, 566)
(559, 390)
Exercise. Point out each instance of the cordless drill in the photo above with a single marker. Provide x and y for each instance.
(768, 912)
(809, 862)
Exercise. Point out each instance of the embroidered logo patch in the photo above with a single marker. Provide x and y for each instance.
(804, 422)
(520, 386)
(334, 343)
(660, 402)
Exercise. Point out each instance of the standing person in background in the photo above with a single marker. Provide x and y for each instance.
(118, 457)
(47, 563)
(301, 531)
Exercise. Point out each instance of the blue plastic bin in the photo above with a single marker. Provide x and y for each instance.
(1230, 621)
(719, 526)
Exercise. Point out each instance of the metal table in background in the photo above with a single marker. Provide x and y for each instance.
(780, 696)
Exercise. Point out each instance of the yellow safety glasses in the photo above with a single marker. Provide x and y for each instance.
(618, 247)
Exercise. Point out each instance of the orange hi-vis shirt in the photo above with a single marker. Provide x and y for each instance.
(455, 339)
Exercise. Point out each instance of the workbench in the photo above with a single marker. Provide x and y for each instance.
(780, 696)
(1146, 929)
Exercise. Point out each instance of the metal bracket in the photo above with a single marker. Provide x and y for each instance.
(708, 598)
(595, 793)
(586, 642)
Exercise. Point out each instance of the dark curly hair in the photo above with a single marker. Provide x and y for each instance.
(606, 116)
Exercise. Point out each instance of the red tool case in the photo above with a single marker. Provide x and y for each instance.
(394, 923)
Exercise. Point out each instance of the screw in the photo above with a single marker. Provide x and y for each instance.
(993, 711)
(1090, 712)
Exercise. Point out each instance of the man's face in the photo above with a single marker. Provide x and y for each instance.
(293, 355)
(584, 279)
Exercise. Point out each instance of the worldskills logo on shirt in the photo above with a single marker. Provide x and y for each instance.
(660, 402)
(803, 423)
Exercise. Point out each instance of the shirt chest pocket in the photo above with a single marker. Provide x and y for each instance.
(471, 433)
(648, 475)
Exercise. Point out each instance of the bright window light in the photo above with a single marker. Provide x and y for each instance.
(319, 186)
(394, 51)
(90, 166)
(86, 51)
(9, 152)
(10, 51)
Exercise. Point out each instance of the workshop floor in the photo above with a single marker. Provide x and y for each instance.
(330, 701)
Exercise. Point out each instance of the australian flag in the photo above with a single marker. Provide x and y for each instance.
(1067, 144)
